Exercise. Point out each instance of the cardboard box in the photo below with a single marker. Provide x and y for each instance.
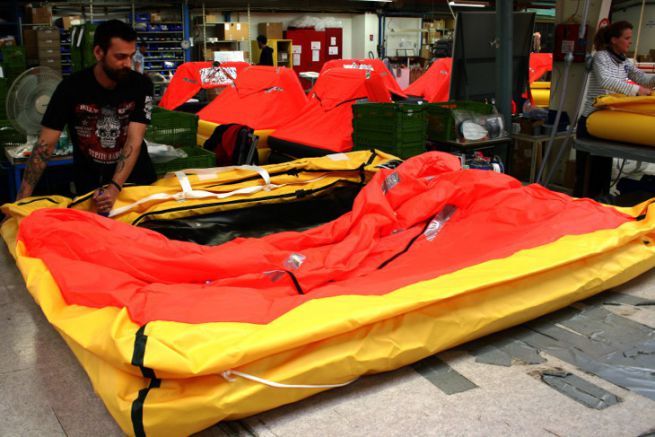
(54, 63)
(42, 15)
(212, 19)
(70, 21)
(47, 36)
(49, 52)
(270, 30)
(30, 43)
(232, 31)
(426, 53)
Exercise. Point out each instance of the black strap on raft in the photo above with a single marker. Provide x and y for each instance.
(411, 242)
(140, 341)
(295, 282)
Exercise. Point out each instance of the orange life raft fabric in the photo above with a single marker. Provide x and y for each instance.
(422, 220)
(191, 77)
(262, 97)
(367, 64)
(326, 121)
(434, 84)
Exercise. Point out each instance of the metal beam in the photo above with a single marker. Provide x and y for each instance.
(504, 53)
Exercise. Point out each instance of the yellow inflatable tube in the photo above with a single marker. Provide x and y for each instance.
(165, 199)
(540, 93)
(624, 119)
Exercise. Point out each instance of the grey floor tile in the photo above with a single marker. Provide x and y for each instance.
(24, 410)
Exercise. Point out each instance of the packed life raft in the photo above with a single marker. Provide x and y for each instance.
(191, 77)
(624, 119)
(177, 336)
(262, 98)
(326, 123)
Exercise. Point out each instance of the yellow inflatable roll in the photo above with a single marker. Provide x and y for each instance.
(206, 128)
(624, 119)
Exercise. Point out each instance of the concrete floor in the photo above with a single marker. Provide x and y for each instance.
(466, 391)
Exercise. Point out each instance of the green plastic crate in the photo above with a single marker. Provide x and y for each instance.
(197, 157)
(396, 128)
(441, 121)
(178, 129)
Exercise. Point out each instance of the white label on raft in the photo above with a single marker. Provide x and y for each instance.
(390, 182)
(294, 261)
(439, 221)
(338, 157)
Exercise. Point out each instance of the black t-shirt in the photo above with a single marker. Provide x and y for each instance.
(97, 120)
(266, 58)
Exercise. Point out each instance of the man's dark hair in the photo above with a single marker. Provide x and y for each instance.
(112, 29)
(262, 39)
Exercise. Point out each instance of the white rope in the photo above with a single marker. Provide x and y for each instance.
(228, 375)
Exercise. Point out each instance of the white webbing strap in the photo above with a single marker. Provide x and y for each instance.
(184, 181)
(228, 375)
(214, 171)
(189, 193)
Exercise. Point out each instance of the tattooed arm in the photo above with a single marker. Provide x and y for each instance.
(38, 161)
(124, 166)
(130, 152)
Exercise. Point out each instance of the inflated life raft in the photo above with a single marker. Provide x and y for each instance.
(175, 336)
(624, 119)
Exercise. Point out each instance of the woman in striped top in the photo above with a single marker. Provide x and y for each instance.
(610, 75)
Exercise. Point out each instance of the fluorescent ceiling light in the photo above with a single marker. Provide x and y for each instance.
(467, 5)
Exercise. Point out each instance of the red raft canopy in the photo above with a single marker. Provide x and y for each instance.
(326, 121)
(367, 64)
(434, 84)
(191, 77)
(262, 97)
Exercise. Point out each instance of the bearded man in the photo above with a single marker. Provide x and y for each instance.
(106, 108)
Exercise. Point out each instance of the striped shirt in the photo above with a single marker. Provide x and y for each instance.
(611, 77)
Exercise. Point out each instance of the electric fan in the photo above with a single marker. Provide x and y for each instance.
(28, 98)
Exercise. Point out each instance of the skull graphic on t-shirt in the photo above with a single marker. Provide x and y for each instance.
(108, 128)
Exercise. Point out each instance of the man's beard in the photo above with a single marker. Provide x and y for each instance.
(117, 75)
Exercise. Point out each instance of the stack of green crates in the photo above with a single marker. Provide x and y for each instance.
(395, 128)
(441, 119)
(178, 129)
(13, 62)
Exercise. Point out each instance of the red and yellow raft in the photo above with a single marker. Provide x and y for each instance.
(176, 336)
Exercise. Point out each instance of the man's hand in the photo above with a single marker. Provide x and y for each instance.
(105, 198)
